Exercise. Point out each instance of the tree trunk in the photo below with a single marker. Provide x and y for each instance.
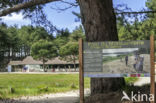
(99, 21)
(44, 65)
(74, 63)
(74, 67)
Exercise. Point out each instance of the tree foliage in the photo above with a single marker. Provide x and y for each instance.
(69, 52)
(77, 34)
(43, 50)
(134, 27)
(71, 48)
(15, 43)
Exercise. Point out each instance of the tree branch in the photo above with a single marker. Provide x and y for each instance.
(72, 4)
(23, 6)
(135, 12)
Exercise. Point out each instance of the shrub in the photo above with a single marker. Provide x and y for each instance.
(73, 86)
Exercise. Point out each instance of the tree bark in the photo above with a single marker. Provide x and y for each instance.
(44, 67)
(43, 64)
(74, 63)
(99, 21)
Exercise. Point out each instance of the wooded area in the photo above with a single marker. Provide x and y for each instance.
(100, 24)
(17, 43)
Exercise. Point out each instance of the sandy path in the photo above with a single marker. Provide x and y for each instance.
(67, 97)
(142, 81)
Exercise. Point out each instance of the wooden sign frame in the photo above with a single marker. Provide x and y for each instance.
(81, 71)
(152, 71)
(152, 74)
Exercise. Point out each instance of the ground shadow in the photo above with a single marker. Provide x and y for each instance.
(115, 97)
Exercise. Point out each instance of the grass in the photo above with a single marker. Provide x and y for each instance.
(16, 85)
(130, 80)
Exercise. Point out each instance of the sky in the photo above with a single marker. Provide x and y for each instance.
(66, 19)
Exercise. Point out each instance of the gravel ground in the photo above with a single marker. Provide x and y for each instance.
(67, 97)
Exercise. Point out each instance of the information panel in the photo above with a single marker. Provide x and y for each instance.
(116, 59)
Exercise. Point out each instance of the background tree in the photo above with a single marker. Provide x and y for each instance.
(69, 52)
(16, 42)
(137, 25)
(30, 34)
(77, 34)
(3, 44)
(62, 38)
(43, 50)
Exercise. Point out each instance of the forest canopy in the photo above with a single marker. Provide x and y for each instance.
(16, 42)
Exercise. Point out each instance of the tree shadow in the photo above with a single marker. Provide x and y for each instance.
(115, 97)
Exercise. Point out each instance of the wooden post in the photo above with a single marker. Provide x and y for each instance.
(152, 89)
(81, 73)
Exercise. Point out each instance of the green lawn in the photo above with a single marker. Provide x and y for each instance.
(16, 85)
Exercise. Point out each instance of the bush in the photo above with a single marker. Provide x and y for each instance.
(42, 88)
(12, 90)
(73, 86)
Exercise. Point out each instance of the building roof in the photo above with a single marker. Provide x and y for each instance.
(15, 63)
(30, 61)
(57, 60)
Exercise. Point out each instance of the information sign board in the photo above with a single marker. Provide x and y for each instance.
(116, 59)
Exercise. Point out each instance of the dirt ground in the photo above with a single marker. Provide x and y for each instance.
(67, 97)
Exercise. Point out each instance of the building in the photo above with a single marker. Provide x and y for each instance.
(32, 65)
